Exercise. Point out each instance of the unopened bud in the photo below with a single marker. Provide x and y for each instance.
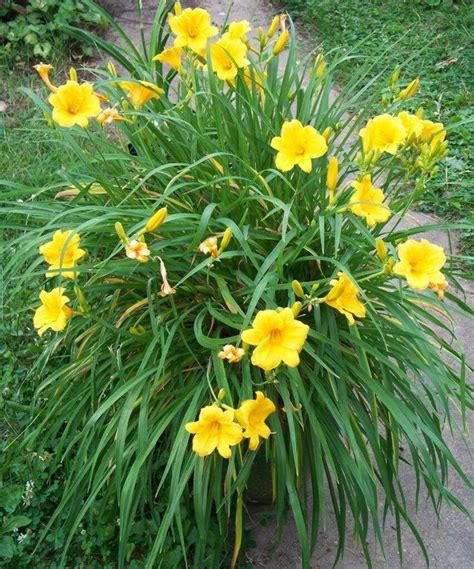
(410, 90)
(420, 112)
(111, 69)
(327, 133)
(296, 308)
(297, 289)
(221, 394)
(273, 26)
(225, 239)
(395, 75)
(121, 232)
(156, 220)
(381, 248)
(177, 8)
(319, 65)
(85, 308)
(281, 42)
(73, 74)
(332, 174)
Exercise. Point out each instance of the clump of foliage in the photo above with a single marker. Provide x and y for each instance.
(32, 28)
(220, 286)
(433, 40)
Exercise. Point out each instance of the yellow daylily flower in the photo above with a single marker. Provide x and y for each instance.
(367, 202)
(171, 56)
(413, 124)
(344, 297)
(62, 252)
(297, 145)
(231, 354)
(238, 30)
(209, 247)
(228, 56)
(192, 28)
(215, 429)
(137, 250)
(420, 262)
(384, 132)
(53, 312)
(74, 103)
(141, 92)
(252, 415)
(432, 132)
(279, 337)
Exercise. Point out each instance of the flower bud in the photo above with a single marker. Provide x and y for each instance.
(273, 27)
(225, 239)
(111, 69)
(381, 248)
(319, 65)
(221, 394)
(296, 308)
(420, 112)
(332, 174)
(395, 75)
(121, 233)
(73, 74)
(297, 289)
(281, 42)
(156, 220)
(410, 90)
(85, 308)
(327, 133)
(177, 8)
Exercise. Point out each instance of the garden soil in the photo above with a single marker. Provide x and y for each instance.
(449, 541)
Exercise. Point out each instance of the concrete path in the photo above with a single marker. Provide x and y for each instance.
(451, 543)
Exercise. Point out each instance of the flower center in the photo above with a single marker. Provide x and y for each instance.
(275, 336)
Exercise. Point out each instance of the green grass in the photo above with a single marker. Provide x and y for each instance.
(434, 40)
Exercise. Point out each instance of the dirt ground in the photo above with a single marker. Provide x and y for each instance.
(449, 543)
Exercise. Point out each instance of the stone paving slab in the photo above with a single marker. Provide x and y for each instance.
(450, 542)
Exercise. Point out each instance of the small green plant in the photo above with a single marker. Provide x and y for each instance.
(32, 28)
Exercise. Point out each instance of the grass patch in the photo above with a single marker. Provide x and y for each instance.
(434, 41)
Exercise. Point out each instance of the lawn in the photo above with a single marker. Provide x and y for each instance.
(432, 39)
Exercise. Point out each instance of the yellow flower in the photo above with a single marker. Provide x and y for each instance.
(227, 56)
(74, 104)
(62, 253)
(420, 262)
(215, 429)
(281, 42)
(237, 30)
(367, 202)
(410, 90)
(108, 116)
(156, 219)
(432, 132)
(297, 145)
(171, 56)
(344, 297)
(383, 132)
(137, 250)
(413, 125)
(332, 174)
(278, 337)
(53, 312)
(192, 28)
(231, 354)
(209, 247)
(141, 92)
(43, 70)
(252, 415)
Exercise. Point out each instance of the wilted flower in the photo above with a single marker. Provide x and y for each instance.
(344, 297)
(227, 56)
(62, 252)
(384, 132)
(166, 288)
(215, 429)
(43, 70)
(137, 250)
(439, 289)
(74, 104)
(171, 56)
(53, 313)
(367, 202)
(141, 92)
(209, 247)
(192, 28)
(231, 354)
(279, 337)
(420, 262)
(252, 415)
(109, 115)
(297, 145)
